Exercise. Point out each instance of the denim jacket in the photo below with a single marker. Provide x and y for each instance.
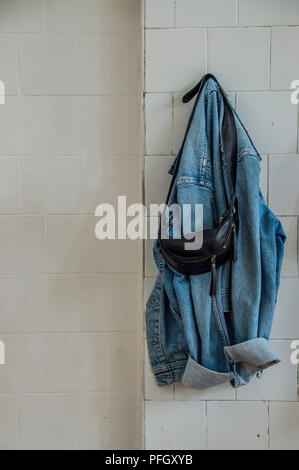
(192, 337)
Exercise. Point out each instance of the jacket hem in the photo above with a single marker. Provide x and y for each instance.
(169, 373)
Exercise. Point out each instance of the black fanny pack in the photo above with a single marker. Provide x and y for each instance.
(219, 243)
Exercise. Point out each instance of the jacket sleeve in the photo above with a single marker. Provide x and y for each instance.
(256, 272)
(272, 240)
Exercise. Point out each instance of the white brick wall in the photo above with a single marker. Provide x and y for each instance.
(69, 304)
(251, 46)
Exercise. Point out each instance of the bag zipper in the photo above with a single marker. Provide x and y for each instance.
(213, 288)
(233, 227)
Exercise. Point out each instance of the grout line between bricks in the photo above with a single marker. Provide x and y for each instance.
(270, 58)
(207, 50)
(45, 14)
(18, 65)
(20, 180)
(46, 243)
(268, 425)
(77, 396)
(172, 124)
(67, 332)
(268, 179)
(50, 98)
(19, 421)
(174, 13)
(170, 92)
(80, 186)
(196, 28)
(206, 424)
(78, 37)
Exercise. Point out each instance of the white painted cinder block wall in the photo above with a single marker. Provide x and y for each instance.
(252, 47)
(69, 304)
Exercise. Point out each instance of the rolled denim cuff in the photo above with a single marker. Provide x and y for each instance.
(252, 356)
(197, 376)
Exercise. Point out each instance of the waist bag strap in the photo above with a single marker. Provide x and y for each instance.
(228, 131)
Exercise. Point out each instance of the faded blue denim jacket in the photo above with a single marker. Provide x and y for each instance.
(192, 337)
